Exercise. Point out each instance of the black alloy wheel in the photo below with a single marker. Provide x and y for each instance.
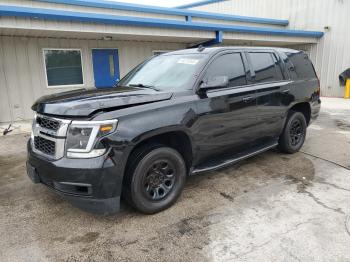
(294, 133)
(159, 179)
(155, 178)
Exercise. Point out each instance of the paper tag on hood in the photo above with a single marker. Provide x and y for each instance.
(187, 61)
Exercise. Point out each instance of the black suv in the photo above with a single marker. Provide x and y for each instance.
(176, 114)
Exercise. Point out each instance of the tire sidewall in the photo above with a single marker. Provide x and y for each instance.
(140, 201)
(300, 116)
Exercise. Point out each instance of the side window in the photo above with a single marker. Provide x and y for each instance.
(264, 65)
(279, 74)
(230, 65)
(301, 65)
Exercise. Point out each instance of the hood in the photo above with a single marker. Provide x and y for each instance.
(83, 103)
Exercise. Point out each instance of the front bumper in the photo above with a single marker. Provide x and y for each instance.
(91, 184)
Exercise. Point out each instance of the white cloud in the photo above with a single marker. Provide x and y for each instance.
(165, 3)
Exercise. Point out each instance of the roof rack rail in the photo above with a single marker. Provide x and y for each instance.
(200, 48)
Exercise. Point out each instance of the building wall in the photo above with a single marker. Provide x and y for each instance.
(65, 7)
(22, 71)
(331, 56)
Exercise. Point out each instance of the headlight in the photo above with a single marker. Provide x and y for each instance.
(83, 135)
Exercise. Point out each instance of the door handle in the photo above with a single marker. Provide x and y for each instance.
(285, 91)
(247, 99)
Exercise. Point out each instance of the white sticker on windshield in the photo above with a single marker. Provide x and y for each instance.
(187, 61)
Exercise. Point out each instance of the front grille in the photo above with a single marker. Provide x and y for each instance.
(48, 123)
(44, 145)
(49, 136)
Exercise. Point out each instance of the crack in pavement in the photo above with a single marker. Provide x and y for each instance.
(347, 224)
(319, 202)
(294, 228)
(324, 159)
(332, 185)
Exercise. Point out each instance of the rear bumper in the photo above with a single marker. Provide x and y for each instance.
(315, 110)
(93, 185)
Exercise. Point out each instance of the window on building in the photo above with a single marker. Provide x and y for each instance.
(230, 65)
(63, 67)
(301, 65)
(264, 67)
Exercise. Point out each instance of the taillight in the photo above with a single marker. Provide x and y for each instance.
(318, 91)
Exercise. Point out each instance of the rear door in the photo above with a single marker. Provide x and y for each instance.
(272, 90)
(227, 117)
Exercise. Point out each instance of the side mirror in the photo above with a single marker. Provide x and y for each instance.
(214, 82)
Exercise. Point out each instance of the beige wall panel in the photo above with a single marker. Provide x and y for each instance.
(22, 71)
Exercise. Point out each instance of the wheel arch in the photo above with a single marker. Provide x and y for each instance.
(304, 108)
(176, 138)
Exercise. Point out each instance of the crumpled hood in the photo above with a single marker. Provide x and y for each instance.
(83, 103)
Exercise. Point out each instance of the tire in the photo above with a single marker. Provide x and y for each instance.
(294, 133)
(155, 178)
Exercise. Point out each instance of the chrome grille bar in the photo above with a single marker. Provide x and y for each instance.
(50, 129)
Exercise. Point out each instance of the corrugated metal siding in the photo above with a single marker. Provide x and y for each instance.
(12, 25)
(36, 4)
(331, 55)
(65, 7)
(22, 72)
(226, 22)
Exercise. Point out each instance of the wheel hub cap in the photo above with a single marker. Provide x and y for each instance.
(159, 179)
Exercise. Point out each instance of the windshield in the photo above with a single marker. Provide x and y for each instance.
(164, 72)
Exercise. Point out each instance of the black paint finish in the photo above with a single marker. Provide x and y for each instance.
(217, 122)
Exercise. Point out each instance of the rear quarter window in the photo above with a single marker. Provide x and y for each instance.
(300, 66)
(266, 67)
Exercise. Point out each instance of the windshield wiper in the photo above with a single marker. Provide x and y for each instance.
(144, 86)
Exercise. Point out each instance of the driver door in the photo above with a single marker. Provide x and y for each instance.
(227, 116)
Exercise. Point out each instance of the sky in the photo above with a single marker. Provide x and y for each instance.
(165, 3)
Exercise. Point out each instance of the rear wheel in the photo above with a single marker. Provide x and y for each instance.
(293, 136)
(155, 179)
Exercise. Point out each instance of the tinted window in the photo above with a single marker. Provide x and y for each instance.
(301, 65)
(230, 65)
(279, 74)
(265, 68)
(165, 72)
(63, 67)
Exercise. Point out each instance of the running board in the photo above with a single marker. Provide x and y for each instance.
(232, 161)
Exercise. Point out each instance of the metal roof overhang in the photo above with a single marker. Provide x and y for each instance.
(168, 11)
(199, 3)
(59, 15)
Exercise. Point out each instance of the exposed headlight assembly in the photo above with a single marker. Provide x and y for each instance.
(82, 138)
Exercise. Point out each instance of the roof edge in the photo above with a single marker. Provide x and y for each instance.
(165, 10)
(199, 3)
(50, 14)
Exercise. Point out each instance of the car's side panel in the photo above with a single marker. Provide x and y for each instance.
(304, 89)
(226, 121)
(273, 101)
(226, 115)
(274, 95)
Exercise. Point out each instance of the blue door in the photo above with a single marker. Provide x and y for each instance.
(106, 67)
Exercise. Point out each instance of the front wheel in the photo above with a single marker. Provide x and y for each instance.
(157, 179)
(294, 133)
